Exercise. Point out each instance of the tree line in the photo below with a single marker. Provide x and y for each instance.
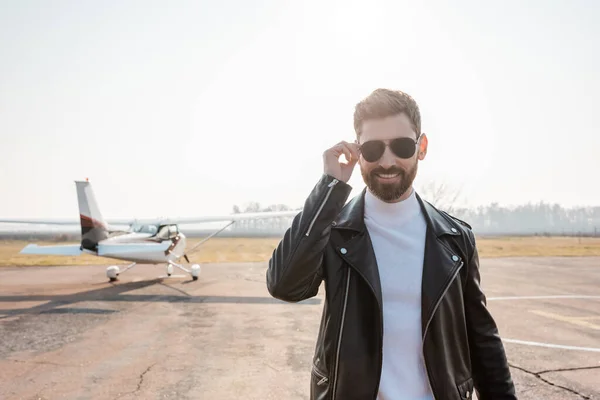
(254, 206)
(529, 219)
(494, 219)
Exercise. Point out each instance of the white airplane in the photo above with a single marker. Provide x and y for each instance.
(147, 241)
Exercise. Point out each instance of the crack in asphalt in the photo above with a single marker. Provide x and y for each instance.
(139, 386)
(567, 369)
(537, 375)
(140, 383)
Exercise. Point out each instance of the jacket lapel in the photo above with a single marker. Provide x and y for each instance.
(354, 244)
(440, 265)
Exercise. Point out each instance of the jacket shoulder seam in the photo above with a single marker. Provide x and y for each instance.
(452, 218)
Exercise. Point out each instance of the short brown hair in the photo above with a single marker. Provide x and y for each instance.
(382, 103)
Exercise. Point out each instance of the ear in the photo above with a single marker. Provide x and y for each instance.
(423, 142)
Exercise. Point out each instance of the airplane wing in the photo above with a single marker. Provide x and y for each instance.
(58, 250)
(61, 221)
(218, 218)
(41, 221)
(151, 221)
(234, 217)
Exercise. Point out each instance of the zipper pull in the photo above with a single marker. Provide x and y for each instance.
(333, 183)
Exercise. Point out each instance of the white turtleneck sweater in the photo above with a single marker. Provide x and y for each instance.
(397, 231)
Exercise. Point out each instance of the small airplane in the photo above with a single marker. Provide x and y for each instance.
(157, 241)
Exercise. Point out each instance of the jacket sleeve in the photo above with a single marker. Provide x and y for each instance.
(491, 373)
(295, 269)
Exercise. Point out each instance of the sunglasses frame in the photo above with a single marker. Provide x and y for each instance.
(386, 144)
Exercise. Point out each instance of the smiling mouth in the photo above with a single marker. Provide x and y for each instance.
(388, 176)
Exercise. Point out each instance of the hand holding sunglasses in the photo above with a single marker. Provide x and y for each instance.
(332, 164)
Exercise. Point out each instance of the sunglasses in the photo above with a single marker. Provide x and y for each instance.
(403, 147)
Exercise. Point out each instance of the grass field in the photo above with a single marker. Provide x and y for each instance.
(260, 249)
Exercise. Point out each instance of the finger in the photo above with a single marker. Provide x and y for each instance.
(355, 149)
(336, 150)
(348, 155)
(351, 153)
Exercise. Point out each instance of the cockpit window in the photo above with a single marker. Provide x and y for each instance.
(167, 232)
(151, 229)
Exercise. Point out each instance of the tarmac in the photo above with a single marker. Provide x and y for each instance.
(67, 333)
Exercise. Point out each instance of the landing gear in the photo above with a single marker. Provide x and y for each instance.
(194, 272)
(113, 271)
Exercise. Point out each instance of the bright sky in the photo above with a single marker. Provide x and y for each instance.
(192, 107)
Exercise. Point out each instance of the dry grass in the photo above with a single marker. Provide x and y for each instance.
(538, 246)
(214, 250)
(260, 249)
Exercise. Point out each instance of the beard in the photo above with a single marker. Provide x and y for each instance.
(390, 192)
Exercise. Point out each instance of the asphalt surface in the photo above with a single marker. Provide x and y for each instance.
(66, 333)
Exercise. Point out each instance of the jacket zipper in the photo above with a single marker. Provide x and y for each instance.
(330, 186)
(339, 344)
(380, 329)
(437, 304)
(319, 374)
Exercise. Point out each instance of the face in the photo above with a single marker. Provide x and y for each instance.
(390, 177)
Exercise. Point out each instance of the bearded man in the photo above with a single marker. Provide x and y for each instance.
(405, 317)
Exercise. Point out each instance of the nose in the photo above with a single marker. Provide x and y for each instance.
(388, 159)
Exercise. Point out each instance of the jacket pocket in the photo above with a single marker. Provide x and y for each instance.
(319, 385)
(465, 389)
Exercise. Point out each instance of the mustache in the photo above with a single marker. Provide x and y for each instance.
(393, 170)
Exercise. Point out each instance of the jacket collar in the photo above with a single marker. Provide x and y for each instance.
(440, 264)
(351, 217)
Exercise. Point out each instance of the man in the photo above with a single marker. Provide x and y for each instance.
(404, 314)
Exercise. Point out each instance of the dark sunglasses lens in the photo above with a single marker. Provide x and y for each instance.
(372, 151)
(403, 147)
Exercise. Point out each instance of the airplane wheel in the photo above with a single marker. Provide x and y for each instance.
(112, 272)
(195, 271)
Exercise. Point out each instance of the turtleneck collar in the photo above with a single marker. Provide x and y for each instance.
(391, 213)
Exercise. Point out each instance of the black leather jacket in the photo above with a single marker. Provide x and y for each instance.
(328, 242)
